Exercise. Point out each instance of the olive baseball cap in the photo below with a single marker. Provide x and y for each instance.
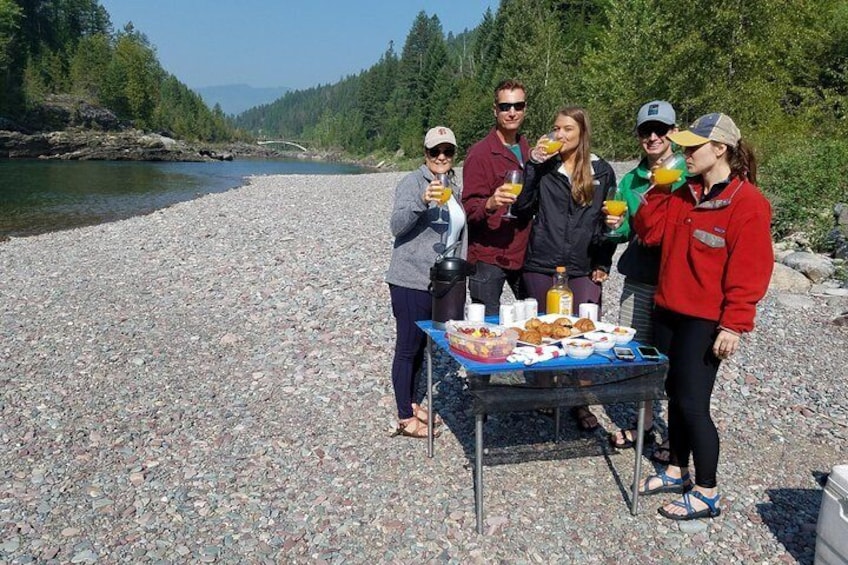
(711, 127)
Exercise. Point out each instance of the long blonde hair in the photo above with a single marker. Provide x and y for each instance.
(582, 187)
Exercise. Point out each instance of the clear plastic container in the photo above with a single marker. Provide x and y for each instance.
(483, 342)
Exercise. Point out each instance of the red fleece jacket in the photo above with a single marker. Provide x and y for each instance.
(717, 256)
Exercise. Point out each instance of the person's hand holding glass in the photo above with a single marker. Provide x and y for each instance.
(513, 183)
(614, 208)
(547, 146)
(438, 192)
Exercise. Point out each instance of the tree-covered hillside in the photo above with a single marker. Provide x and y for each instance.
(777, 66)
(68, 47)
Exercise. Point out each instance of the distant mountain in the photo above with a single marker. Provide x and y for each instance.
(236, 98)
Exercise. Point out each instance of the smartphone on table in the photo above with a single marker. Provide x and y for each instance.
(648, 353)
(624, 353)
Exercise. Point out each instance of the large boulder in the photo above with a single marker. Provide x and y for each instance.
(817, 268)
(61, 111)
(786, 279)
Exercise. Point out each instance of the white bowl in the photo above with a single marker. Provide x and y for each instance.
(578, 348)
(622, 334)
(603, 341)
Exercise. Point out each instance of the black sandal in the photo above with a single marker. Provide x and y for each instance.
(628, 442)
(662, 453)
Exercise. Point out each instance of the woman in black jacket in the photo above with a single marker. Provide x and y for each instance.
(565, 192)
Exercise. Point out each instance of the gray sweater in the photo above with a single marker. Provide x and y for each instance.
(416, 237)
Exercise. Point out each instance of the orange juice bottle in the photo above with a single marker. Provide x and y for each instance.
(560, 299)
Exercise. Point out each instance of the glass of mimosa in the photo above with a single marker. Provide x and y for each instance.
(670, 170)
(444, 180)
(615, 205)
(514, 180)
(550, 143)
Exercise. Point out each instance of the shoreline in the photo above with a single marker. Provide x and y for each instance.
(210, 382)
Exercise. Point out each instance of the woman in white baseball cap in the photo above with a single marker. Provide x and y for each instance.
(421, 235)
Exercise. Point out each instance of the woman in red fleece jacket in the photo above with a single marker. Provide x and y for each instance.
(715, 266)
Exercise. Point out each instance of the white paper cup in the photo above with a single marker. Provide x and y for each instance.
(475, 312)
(531, 308)
(520, 314)
(588, 310)
(507, 314)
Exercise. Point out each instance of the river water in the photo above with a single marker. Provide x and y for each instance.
(39, 196)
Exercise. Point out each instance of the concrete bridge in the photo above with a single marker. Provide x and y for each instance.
(282, 142)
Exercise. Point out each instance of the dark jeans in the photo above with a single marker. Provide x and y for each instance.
(692, 370)
(486, 286)
(408, 306)
(584, 290)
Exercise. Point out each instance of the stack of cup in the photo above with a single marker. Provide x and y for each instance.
(507, 315)
(531, 308)
(520, 314)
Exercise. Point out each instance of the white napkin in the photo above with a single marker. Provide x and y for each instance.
(530, 355)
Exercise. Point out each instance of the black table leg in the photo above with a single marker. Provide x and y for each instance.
(478, 471)
(637, 466)
(430, 416)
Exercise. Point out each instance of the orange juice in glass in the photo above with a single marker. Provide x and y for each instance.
(615, 205)
(670, 170)
(514, 181)
(445, 196)
(667, 176)
(550, 143)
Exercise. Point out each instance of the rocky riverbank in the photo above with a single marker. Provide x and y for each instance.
(210, 383)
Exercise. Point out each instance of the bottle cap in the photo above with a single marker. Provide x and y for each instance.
(560, 269)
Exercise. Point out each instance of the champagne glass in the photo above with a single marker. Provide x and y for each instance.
(615, 205)
(515, 182)
(670, 170)
(444, 180)
(551, 143)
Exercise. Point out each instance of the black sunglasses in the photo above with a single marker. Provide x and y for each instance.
(434, 152)
(645, 130)
(505, 106)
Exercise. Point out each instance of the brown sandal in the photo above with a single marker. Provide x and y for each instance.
(422, 415)
(414, 427)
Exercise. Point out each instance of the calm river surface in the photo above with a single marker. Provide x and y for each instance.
(39, 196)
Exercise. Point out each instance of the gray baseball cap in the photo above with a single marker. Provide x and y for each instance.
(656, 111)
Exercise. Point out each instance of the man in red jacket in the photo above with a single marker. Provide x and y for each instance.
(496, 244)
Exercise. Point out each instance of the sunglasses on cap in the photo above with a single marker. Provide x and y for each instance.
(448, 152)
(505, 106)
(645, 130)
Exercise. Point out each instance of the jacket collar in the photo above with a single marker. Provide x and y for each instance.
(696, 188)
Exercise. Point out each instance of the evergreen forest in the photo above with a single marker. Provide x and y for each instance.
(68, 47)
(778, 67)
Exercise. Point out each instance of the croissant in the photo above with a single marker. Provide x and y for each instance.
(584, 325)
(530, 336)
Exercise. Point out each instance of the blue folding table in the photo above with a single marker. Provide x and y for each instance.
(598, 379)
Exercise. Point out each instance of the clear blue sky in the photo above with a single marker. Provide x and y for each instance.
(292, 43)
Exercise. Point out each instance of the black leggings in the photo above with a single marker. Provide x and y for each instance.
(692, 370)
